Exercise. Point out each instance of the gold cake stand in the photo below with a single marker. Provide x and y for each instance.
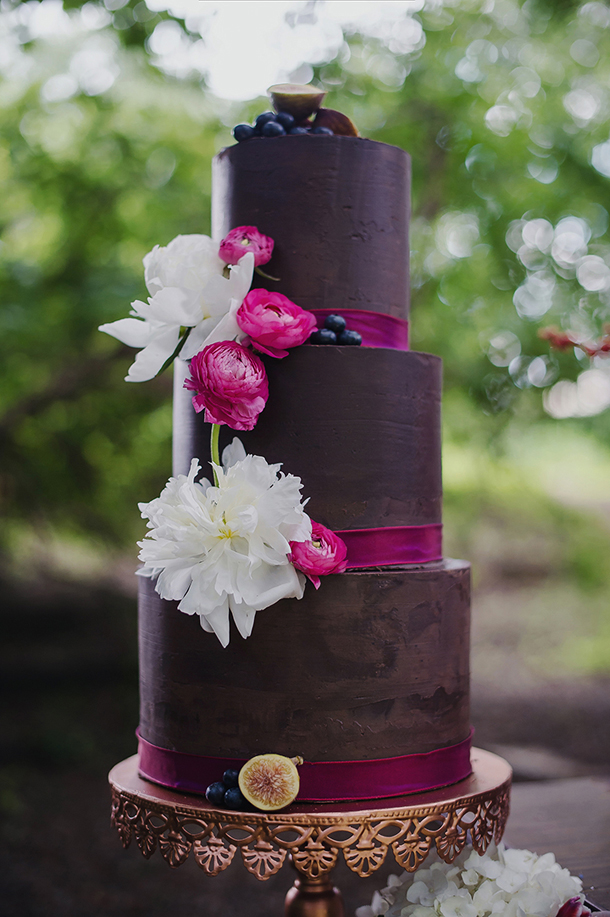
(313, 835)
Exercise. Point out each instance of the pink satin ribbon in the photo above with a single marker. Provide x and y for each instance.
(321, 781)
(394, 544)
(377, 328)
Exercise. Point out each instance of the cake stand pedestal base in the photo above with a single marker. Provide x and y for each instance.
(314, 898)
(311, 834)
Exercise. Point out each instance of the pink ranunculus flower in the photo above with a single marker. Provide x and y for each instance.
(273, 322)
(230, 383)
(325, 553)
(244, 239)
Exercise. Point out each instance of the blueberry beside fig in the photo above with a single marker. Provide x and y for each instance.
(235, 799)
(264, 118)
(243, 132)
(230, 777)
(215, 793)
(272, 129)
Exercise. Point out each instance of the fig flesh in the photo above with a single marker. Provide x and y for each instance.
(298, 100)
(270, 782)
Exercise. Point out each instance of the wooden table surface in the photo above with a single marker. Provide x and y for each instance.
(571, 818)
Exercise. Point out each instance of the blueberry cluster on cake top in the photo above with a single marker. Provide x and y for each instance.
(297, 111)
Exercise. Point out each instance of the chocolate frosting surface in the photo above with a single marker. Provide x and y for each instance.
(337, 209)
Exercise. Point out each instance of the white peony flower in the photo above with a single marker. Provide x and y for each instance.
(225, 549)
(509, 883)
(188, 291)
(186, 262)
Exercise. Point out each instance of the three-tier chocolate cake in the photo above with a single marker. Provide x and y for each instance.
(366, 678)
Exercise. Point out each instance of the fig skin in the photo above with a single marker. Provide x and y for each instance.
(298, 100)
(270, 782)
(338, 122)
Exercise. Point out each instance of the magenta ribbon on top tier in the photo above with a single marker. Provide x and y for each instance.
(392, 545)
(377, 328)
(320, 781)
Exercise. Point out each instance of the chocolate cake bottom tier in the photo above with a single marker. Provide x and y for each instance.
(374, 665)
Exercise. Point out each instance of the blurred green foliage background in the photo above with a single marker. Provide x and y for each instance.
(505, 109)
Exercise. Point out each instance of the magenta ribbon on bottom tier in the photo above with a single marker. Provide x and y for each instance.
(321, 781)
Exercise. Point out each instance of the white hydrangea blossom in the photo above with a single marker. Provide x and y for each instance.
(503, 882)
(188, 290)
(221, 550)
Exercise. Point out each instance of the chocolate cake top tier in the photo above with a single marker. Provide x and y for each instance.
(337, 209)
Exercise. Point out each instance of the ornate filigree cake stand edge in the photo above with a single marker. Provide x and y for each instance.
(314, 835)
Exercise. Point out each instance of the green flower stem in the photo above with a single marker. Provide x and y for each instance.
(171, 359)
(214, 448)
(257, 270)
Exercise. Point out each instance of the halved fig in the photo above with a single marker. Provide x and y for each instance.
(336, 121)
(270, 782)
(298, 100)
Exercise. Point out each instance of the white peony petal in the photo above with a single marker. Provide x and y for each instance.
(243, 616)
(233, 453)
(174, 581)
(171, 306)
(226, 329)
(130, 331)
(150, 360)
(219, 291)
(219, 622)
(196, 340)
(187, 261)
(241, 277)
(267, 585)
(270, 546)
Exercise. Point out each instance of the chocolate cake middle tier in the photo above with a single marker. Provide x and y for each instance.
(360, 426)
(373, 665)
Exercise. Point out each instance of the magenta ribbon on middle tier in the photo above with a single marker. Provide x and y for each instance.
(393, 545)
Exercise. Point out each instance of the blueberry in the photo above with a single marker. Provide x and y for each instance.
(298, 130)
(229, 778)
(215, 793)
(272, 129)
(263, 119)
(234, 799)
(323, 336)
(335, 323)
(350, 337)
(243, 132)
(285, 119)
(322, 130)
